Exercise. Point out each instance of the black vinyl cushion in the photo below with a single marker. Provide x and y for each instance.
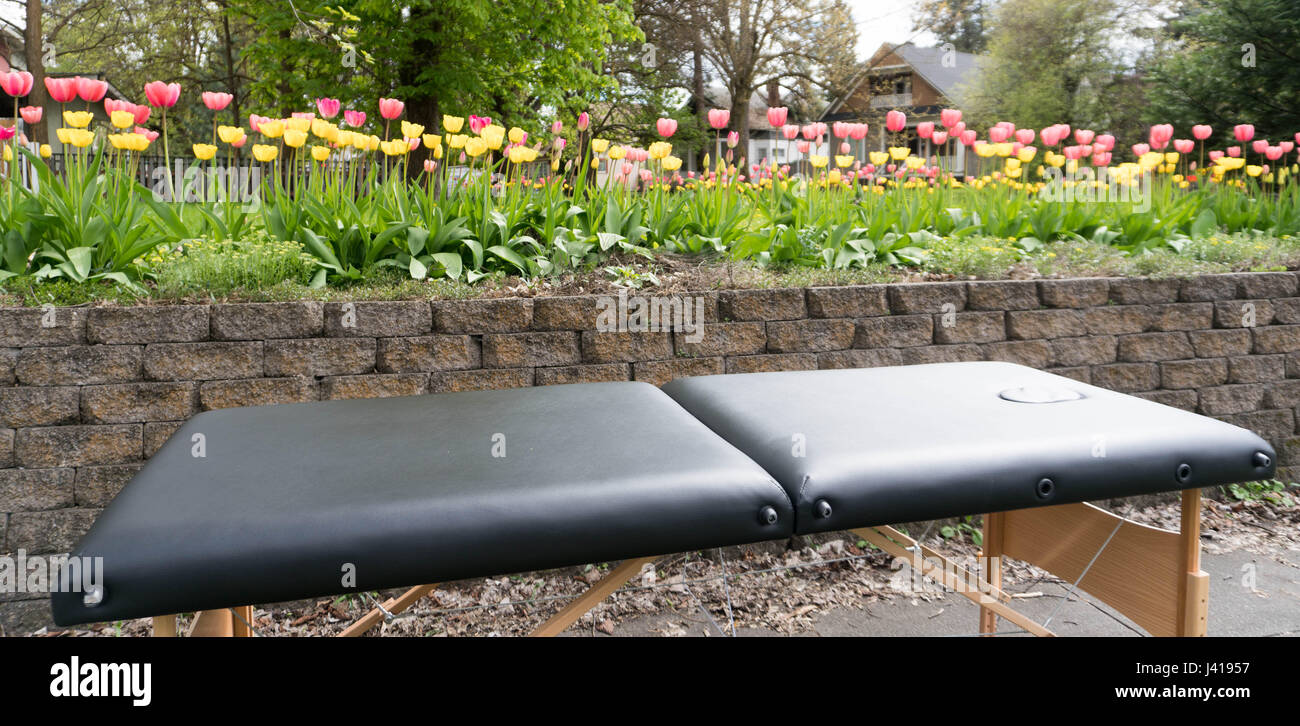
(407, 491)
(915, 443)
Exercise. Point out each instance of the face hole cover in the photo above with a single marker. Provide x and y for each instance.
(1043, 393)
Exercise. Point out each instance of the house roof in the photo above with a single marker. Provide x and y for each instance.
(931, 64)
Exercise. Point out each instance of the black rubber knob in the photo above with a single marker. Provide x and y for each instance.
(768, 515)
(1184, 473)
(1045, 488)
(822, 508)
(1262, 460)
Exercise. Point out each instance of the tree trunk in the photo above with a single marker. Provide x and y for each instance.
(33, 46)
(697, 86)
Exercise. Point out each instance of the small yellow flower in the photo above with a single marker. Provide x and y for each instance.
(46, 151)
(204, 152)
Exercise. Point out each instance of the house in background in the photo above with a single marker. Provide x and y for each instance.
(918, 81)
(765, 143)
(13, 58)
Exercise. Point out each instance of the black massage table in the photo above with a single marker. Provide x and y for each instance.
(277, 503)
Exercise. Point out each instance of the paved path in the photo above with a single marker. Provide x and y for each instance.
(1271, 609)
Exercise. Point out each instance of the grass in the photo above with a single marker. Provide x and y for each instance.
(262, 269)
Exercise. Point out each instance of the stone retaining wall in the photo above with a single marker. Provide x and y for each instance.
(87, 394)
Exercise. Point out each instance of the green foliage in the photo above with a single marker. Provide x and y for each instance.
(1271, 491)
(1230, 62)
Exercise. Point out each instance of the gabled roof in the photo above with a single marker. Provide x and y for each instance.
(928, 63)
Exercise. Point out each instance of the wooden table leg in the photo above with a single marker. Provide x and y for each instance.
(164, 626)
(1194, 597)
(601, 590)
(994, 523)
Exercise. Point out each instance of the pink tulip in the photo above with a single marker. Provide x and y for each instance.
(478, 123)
(61, 90)
(429, 166)
(733, 138)
(802, 146)
(1287, 146)
(583, 121)
(1160, 135)
(925, 129)
(112, 104)
(91, 90)
(776, 116)
(999, 134)
(141, 112)
(939, 138)
(355, 119)
(328, 107)
(7, 132)
(1258, 145)
(1216, 155)
(303, 114)
(17, 83)
(895, 121)
(239, 142)
(1243, 132)
(1073, 153)
(1105, 142)
(557, 128)
(949, 117)
(1273, 153)
(666, 127)
(1101, 158)
(255, 121)
(1184, 146)
(1141, 149)
(162, 95)
(626, 168)
(1025, 136)
(840, 129)
(858, 132)
(1234, 151)
(1297, 138)
(1201, 132)
(151, 135)
(31, 114)
(967, 137)
(719, 118)
(809, 132)
(215, 100)
(390, 108)
(790, 132)
(413, 143)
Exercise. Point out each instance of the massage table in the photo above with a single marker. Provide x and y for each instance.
(277, 503)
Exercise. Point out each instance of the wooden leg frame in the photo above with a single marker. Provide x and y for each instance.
(1152, 576)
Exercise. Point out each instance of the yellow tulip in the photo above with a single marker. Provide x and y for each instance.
(517, 135)
(672, 163)
(818, 161)
(345, 137)
(516, 154)
(660, 149)
(320, 153)
(1026, 154)
(80, 119)
(294, 138)
(620, 151)
(119, 141)
(1004, 148)
(878, 158)
(204, 152)
(437, 152)
(1013, 163)
(1254, 170)
(410, 130)
(432, 140)
(122, 119)
(475, 147)
(298, 124)
(372, 142)
(914, 162)
(898, 153)
(46, 151)
(80, 138)
(452, 124)
(230, 134)
(265, 152)
(1171, 157)
(320, 127)
(833, 177)
(137, 142)
(271, 129)
(600, 146)
(493, 136)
